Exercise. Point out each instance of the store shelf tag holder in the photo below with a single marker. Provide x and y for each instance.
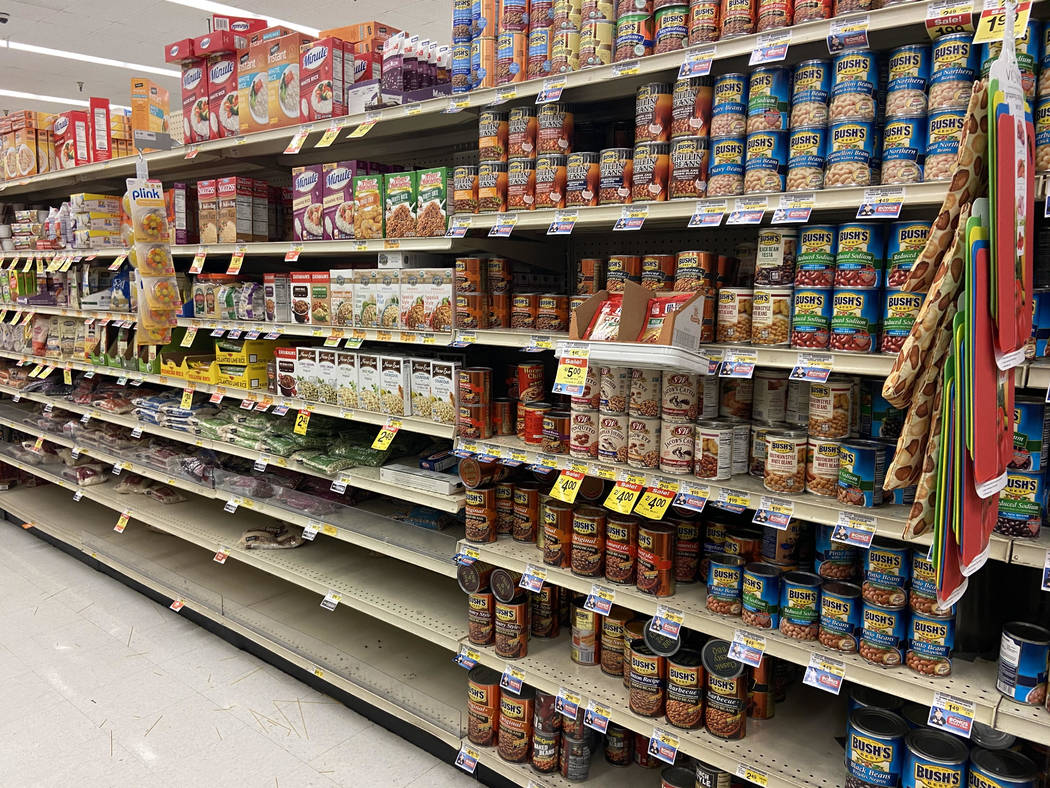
(600, 600)
(748, 210)
(625, 492)
(503, 225)
(812, 367)
(596, 716)
(331, 600)
(732, 501)
(707, 213)
(311, 529)
(563, 222)
(668, 621)
(697, 62)
(692, 497)
(849, 32)
(794, 208)
(825, 673)
(533, 578)
(747, 648)
(467, 555)
(567, 703)
(512, 679)
(952, 714)
(752, 775)
(295, 144)
(855, 529)
(467, 759)
(949, 16)
(774, 512)
(467, 657)
(632, 217)
(571, 377)
(771, 48)
(551, 90)
(882, 203)
(221, 555)
(738, 364)
(664, 745)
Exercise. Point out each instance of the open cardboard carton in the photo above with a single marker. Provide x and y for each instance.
(681, 328)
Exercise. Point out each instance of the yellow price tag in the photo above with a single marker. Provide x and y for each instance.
(752, 775)
(363, 129)
(386, 435)
(39, 443)
(116, 264)
(603, 473)
(198, 260)
(991, 25)
(654, 503)
(122, 522)
(236, 260)
(622, 497)
(28, 266)
(189, 336)
(329, 136)
(295, 144)
(567, 486)
(293, 254)
(302, 421)
(67, 376)
(35, 371)
(187, 399)
(46, 371)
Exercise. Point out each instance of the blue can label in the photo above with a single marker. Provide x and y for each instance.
(1021, 504)
(906, 241)
(862, 468)
(815, 260)
(807, 147)
(1031, 435)
(889, 567)
(730, 89)
(878, 418)
(727, 156)
(1028, 54)
(840, 621)
(875, 761)
(943, 131)
(761, 599)
(921, 772)
(904, 139)
(898, 316)
(954, 59)
(800, 606)
(884, 634)
(932, 637)
(856, 67)
(860, 256)
(769, 93)
(767, 150)
(851, 141)
(723, 581)
(1022, 669)
(811, 82)
(909, 68)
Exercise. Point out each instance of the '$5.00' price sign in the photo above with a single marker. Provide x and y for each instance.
(571, 377)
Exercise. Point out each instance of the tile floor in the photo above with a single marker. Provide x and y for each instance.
(104, 687)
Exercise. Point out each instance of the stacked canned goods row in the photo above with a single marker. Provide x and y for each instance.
(485, 298)
(520, 412)
(827, 286)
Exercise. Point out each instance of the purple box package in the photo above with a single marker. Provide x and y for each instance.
(184, 200)
(308, 202)
(339, 199)
(394, 62)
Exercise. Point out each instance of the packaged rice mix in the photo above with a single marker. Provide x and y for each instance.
(432, 202)
(400, 200)
(368, 206)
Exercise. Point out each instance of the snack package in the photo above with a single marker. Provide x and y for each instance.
(157, 290)
(658, 310)
(605, 325)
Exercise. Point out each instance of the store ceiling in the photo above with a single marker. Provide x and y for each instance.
(136, 31)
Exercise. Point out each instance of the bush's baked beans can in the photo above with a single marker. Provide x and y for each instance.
(875, 746)
(612, 437)
(768, 99)
(800, 605)
(854, 85)
(855, 318)
(474, 578)
(526, 511)
(521, 133)
(904, 243)
(671, 27)
(757, 455)
(474, 421)
(511, 56)
(730, 100)
(1028, 56)
(830, 404)
(887, 570)
(738, 18)
(483, 705)
(953, 69)
(930, 643)
(583, 179)
(481, 618)
(860, 256)
(810, 90)
(745, 543)
(689, 167)
(907, 80)
(943, 133)
(648, 679)
(481, 514)
(807, 157)
(695, 271)
(1022, 673)
(492, 186)
(599, 9)
(474, 473)
(852, 158)
(677, 444)
(538, 52)
(862, 468)
(634, 36)
(544, 612)
(769, 395)
(810, 10)
(583, 434)
(691, 101)
(773, 14)
(557, 534)
(652, 113)
(900, 309)
(658, 271)
(655, 566)
(811, 318)
(621, 548)
(465, 189)
(523, 310)
(725, 696)
(492, 136)
(685, 694)
(512, 627)
(714, 450)
(686, 550)
(903, 149)
(471, 310)
(884, 634)
(724, 582)
(651, 173)
(726, 169)
(567, 13)
(705, 18)
(781, 546)
(596, 42)
(775, 257)
(622, 268)
(515, 725)
(840, 615)
(760, 587)
(616, 168)
(588, 541)
(766, 161)
(817, 250)
(502, 416)
(551, 180)
(565, 50)
(554, 129)
(552, 313)
(734, 314)
(505, 508)
(521, 184)
(590, 276)
(614, 637)
(834, 560)
(469, 275)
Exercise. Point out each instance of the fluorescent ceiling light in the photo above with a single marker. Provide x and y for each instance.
(229, 10)
(53, 99)
(102, 61)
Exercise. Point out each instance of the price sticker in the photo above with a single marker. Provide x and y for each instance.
(609, 474)
(512, 679)
(198, 260)
(600, 600)
(697, 62)
(738, 364)
(625, 68)
(236, 259)
(232, 505)
(748, 210)
(632, 217)
(854, 529)
(78, 495)
(261, 463)
(567, 703)
(187, 398)
(302, 421)
(622, 497)
(311, 529)
(253, 334)
(563, 222)
(331, 600)
(533, 578)
(247, 404)
(567, 486)
(747, 648)
(732, 501)
(848, 32)
(504, 94)
(467, 758)
(386, 435)
(467, 555)
(656, 499)
(668, 621)
(221, 556)
(949, 16)
(189, 336)
(882, 203)
(177, 605)
(295, 144)
(293, 253)
(67, 376)
(46, 371)
(692, 497)
(503, 225)
(771, 48)
(794, 208)
(664, 745)
(774, 512)
(39, 444)
(752, 775)
(329, 135)
(467, 657)
(458, 227)
(825, 673)
(813, 367)
(116, 264)
(707, 213)
(992, 24)
(363, 129)
(952, 714)
(571, 377)
(272, 335)
(597, 716)
(551, 90)
(216, 398)
(122, 521)
(136, 433)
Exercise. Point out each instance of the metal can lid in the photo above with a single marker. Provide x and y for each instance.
(991, 739)
(866, 697)
(937, 746)
(677, 777)
(1007, 764)
(760, 569)
(661, 645)
(717, 661)
(878, 722)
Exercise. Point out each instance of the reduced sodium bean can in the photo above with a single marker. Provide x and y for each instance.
(761, 596)
(811, 318)
(862, 470)
(817, 249)
(800, 605)
(899, 312)
(906, 240)
(855, 318)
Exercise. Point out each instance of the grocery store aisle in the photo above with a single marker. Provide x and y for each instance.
(104, 687)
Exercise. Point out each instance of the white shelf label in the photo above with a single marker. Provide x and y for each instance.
(667, 621)
(563, 222)
(855, 529)
(512, 679)
(231, 506)
(824, 672)
(697, 62)
(597, 716)
(331, 600)
(882, 203)
(467, 657)
(468, 758)
(813, 367)
(311, 529)
(747, 648)
(771, 48)
(848, 32)
(708, 213)
(533, 578)
(774, 512)
(952, 714)
(663, 744)
(794, 208)
(567, 703)
(752, 775)
(738, 364)
(600, 600)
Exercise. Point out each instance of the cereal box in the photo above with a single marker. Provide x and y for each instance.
(301, 296)
(432, 202)
(422, 402)
(401, 197)
(395, 395)
(341, 288)
(320, 301)
(366, 288)
(338, 199)
(326, 69)
(368, 206)
(368, 381)
(388, 298)
(308, 202)
(346, 379)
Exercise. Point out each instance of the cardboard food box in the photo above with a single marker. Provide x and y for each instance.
(281, 56)
(368, 206)
(234, 197)
(366, 289)
(308, 202)
(219, 42)
(149, 116)
(253, 98)
(277, 295)
(100, 144)
(346, 379)
(368, 381)
(395, 385)
(401, 197)
(306, 373)
(362, 31)
(680, 328)
(341, 291)
(320, 298)
(247, 376)
(242, 25)
(285, 361)
(72, 148)
(432, 202)
(338, 199)
(208, 211)
(223, 96)
(196, 108)
(301, 296)
(326, 69)
(388, 298)
(260, 210)
(328, 375)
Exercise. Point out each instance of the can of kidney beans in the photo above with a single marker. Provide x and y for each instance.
(861, 255)
(811, 317)
(900, 310)
(815, 263)
(906, 241)
(855, 316)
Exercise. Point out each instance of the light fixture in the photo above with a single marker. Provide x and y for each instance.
(229, 10)
(53, 99)
(102, 61)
